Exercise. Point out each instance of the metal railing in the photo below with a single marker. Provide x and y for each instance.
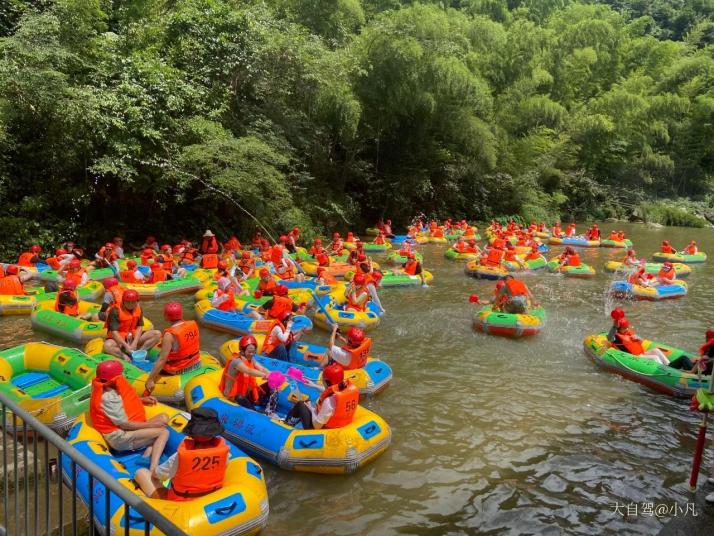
(37, 480)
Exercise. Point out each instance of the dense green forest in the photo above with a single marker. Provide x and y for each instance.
(168, 115)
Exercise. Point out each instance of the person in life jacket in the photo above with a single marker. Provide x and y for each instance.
(223, 297)
(102, 258)
(67, 301)
(387, 229)
(73, 270)
(353, 355)
(278, 307)
(357, 294)
(666, 247)
(232, 245)
(414, 268)
(336, 406)
(534, 253)
(60, 258)
(150, 243)
(350, 238)
(316, 247)
(13, 283)
(293, 237)
(147, 256)
(639, 276)
(125, 328)
(372, 278)
(246, 263)
(570, 258)
(238, 382)
(666, 274)
(112, 296)
(266, 285)
(706, 362)
(180, 346)
(158, 270)
(460, 245)
(514, 296)
(630, 258)
(117, 412)
(132, 274)
(209, 244)
(492, 255)
(31, 257)
(337, 244)
(197, 468)
(280, 338)
(593, 232)
(621, 236)
(570, 230)
(556, 230)
(324, 277)
(380, 239)
(691, 248)
(511, 256)
(625, 340)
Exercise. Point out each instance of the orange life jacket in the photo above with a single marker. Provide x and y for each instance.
(284, 273)
(666, 275)
(328, 279)
(168, 262)
(188, 353)
(232, 244)
(229, 304)
(53, 262)
(346, 402)
(158, 274)
(117, 293)
(667, 249)
(533, 255)
(276, 255)
(322, 259)
(282, 306)
(10, 285)
(574, 259)
(145, 259)
(246, 265)
(133, 407)
(128, 321)
(631, 345)
(267, 286)
(359, 354)
(209, 260)
(495, 256)
(691, 250)
(437, 233)
(209, 245)
(271, 342)
(200, 470)
(2, 272)
(460, 247)
(510, 255)
(516, 287)
(75, 276)
(243, 384)
(621, 237)
(469, 232)
(410, 266)
(25, 259)
(127, 276)
(379, 240)
(353, 302)
(71, 310)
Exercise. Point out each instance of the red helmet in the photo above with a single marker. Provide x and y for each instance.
(69, 284)
(668, 264)
(500, 284)
(173, 311)
(35, 249)
(109, 245)
(335, 235)
(283, 238)
(222, 265)
(247, 340)
(60, 251)
(148, 251)
(358, 279)
(74, 263)
(130, 295)
(617, 313)
(166, 247)
(355, 335)
(245, 255)
(411, 255)
(361, 257)
(623, 323)
(318, 241)
(334, 374)
(131, 264)
(108, 370)
(296, 230)
(264, 272)
(109, 282)
(693, 243)
(12, 270)
(665, 242)
(709, 334)
(281, 290)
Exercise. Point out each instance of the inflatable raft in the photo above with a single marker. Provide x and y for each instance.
(584, 271)
(576, 241)
(509, 325)
(331, 310)
(24, 304)
(163, 289)
(680, 257)
(394, 279)
(626, 243)
(168, 388)
(648, 372)
(335, 269)
(484, 271)
(532, 264)
(393, 257)
(72, 328)
(681, 270)
(238, 323)
(337, 450)
(454, 255)
(371, 247)
(623, 289)
(98, 274)
(371, 379)
(240, 506)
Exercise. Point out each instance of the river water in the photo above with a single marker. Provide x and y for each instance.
(500, 436)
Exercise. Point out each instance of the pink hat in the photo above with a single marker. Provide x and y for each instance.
(275, 379)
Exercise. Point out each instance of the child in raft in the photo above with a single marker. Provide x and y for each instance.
(625, 339)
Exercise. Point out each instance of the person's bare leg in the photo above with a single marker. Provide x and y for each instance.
(112, 348)
(149, 339)
(147, 482)
(158, 449)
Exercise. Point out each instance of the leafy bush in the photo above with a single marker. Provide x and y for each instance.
(667, 214)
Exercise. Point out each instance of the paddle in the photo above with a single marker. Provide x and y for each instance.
(322, 308)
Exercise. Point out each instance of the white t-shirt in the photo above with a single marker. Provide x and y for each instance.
(343, 357)
(326, 411)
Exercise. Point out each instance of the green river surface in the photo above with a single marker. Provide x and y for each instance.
(499, 436)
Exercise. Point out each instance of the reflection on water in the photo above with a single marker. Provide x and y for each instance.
(503, 436)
